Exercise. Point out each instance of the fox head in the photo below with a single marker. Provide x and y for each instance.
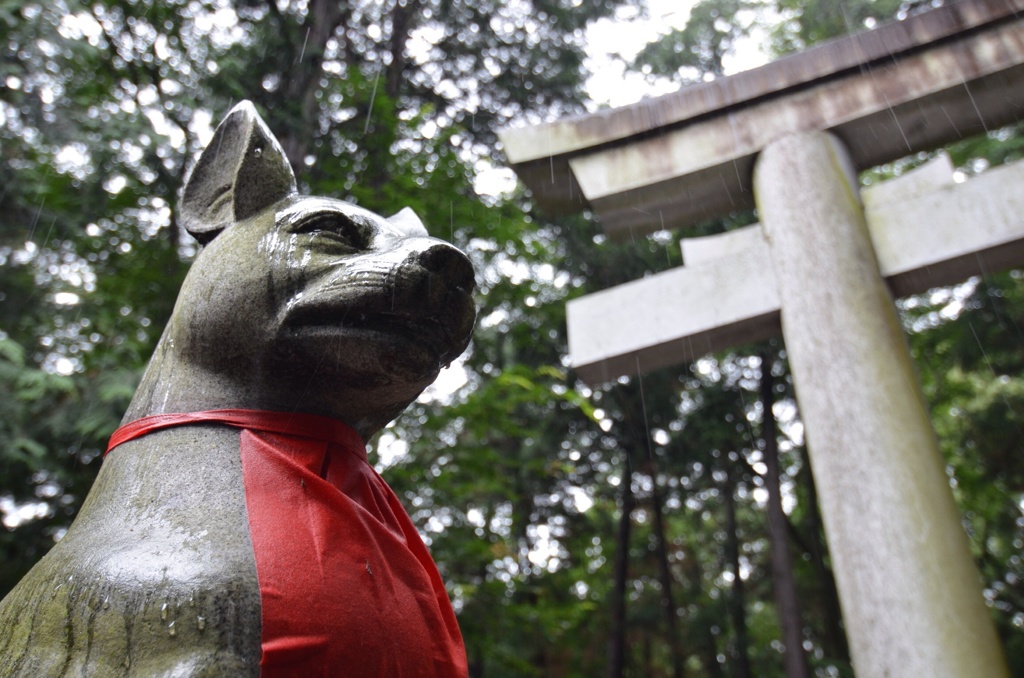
(302, 303)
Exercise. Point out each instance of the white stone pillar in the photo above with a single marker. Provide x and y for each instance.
(910, 592)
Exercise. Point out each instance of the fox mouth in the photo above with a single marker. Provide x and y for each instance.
(375, 326)
(411, 302)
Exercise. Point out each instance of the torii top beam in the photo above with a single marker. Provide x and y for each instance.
(682, 158)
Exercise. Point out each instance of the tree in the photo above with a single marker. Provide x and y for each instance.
(695, 52)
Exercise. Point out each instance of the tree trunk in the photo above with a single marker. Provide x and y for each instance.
(301, 81)
(401, 25)
(694, 575)
(782, 564)
(737, 603)
(667, 599)
(617, 644)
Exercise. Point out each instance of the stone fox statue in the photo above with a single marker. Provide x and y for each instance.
(235, 528)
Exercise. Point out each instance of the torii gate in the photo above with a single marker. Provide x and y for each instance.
(826, 259)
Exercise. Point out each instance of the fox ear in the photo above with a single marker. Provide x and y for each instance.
(242, 171)
(408, 222)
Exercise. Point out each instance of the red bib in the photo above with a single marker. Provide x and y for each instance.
(347, 586)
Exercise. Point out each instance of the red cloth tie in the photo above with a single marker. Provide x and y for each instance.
(347, 586)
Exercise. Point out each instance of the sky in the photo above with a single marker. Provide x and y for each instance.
(613, 42)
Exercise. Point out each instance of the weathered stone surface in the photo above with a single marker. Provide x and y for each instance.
(676, 160)
(938, 232)
(910, 592)
(296, 304)
(665, 319)
(927, 231)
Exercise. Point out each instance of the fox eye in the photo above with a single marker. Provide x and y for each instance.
(338, 227)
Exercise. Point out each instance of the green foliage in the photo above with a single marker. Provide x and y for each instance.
(809, 22)
(53, 430)
(969, 346)
(695, 53)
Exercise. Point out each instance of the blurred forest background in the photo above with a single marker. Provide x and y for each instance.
(621, 530)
